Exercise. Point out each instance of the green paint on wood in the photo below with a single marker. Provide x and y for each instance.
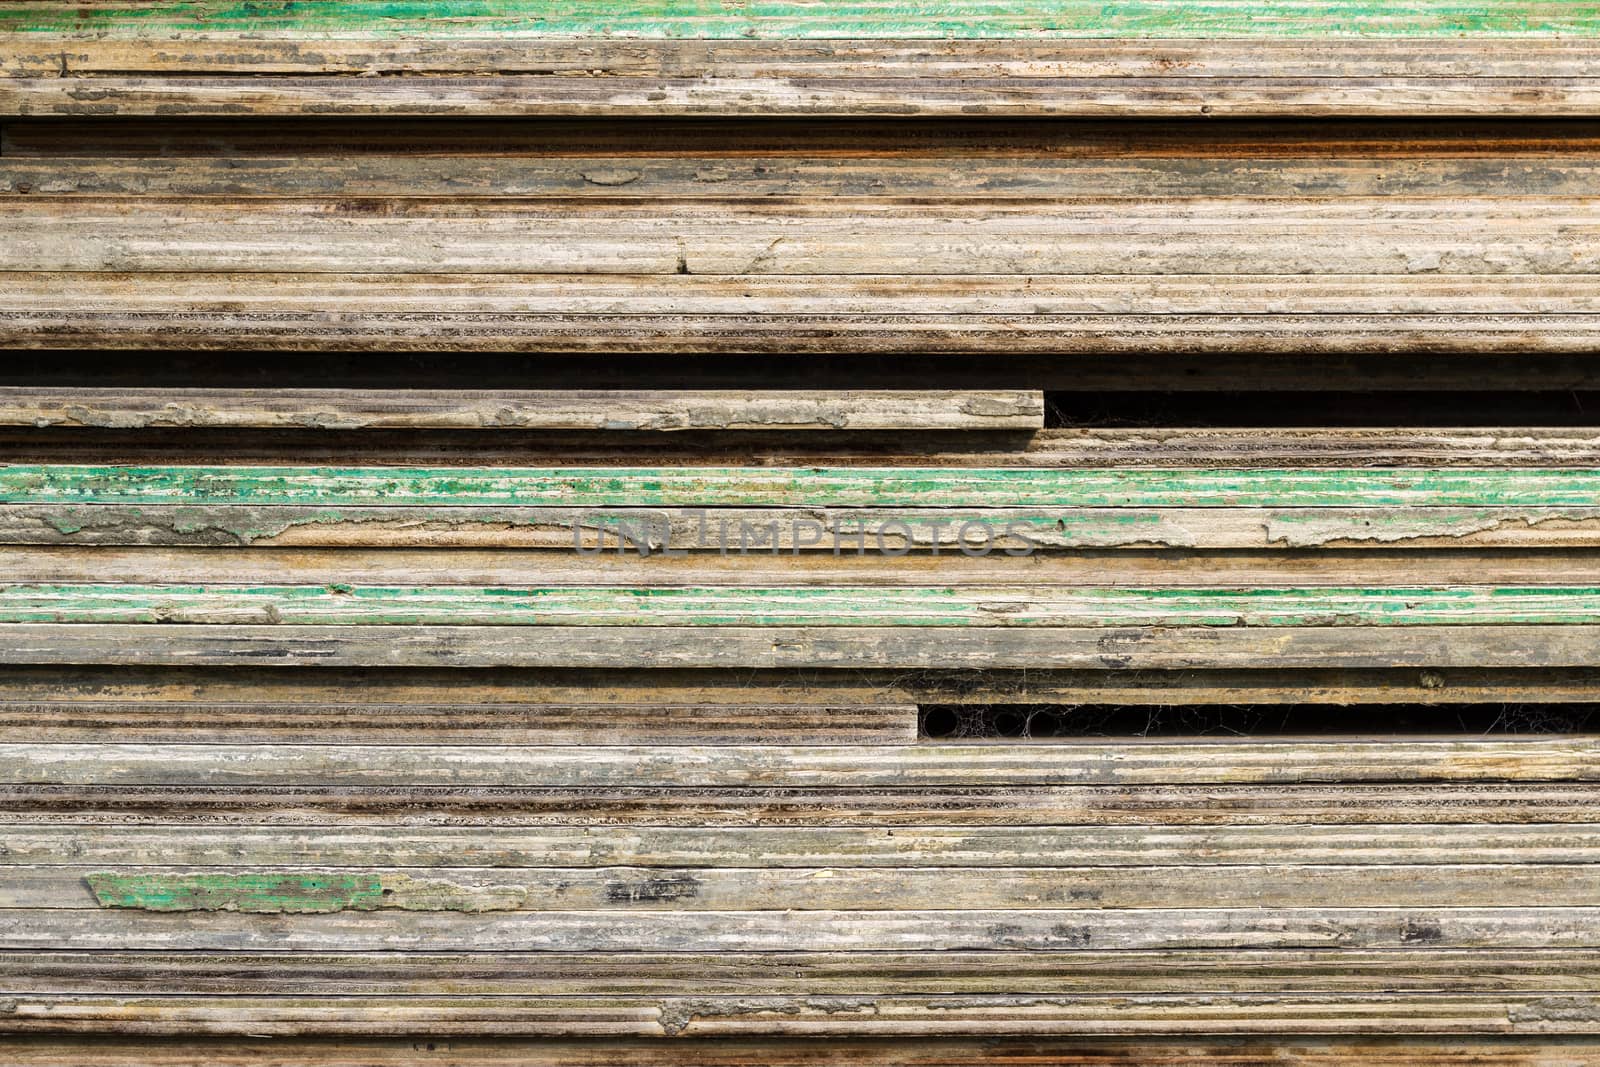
(1007, 606)
(276, 891)
(797, 19)
(301, 892)
(602, 487)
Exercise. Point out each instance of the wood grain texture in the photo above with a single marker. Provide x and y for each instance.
(1113, 762)
(802, 647)
(1415, 969)
(862, 486)
(345, 604)
(1079, 1051)
(54, 70)
(774, 1017)
(780, 19)
(519, 410)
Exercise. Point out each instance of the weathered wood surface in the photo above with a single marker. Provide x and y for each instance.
(781, 19)
(300, 891)
(1109, 762)
(733, 1016)
(1370, 567)
(519, 410)
(196, 1050)
(804, 851)
(836, 532)
(345, 604)
(309, 731)
(1487, 802)
(1064, 930)
(745, 647)
(1416, 969)
(1074, 243)
(93, 689)
(542, 723)
(845, 487)
(67, 61)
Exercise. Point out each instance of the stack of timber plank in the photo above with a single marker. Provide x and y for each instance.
(597, 535)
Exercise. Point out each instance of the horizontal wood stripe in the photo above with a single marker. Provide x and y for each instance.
(885, 140)
(1323, 180)
(996, 606)
(1437, 802)
(208, 327)
(795, 647)
(294, 891)
(1317, 1016)
(111, 689)
(1344, 238)
(340, 409)
(1416, 969)
(788, 19)
(799, 487)
(423, 568)
(360, 722)
(800, 849)
(191, 1049)
(525, 301)
(1421, 92)
(739, 534)
(1092, 763)
(1055, 930)
(868, 183)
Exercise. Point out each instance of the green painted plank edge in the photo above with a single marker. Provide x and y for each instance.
(275, 892)
(794, 19)
(691, 487)
(1007, 606)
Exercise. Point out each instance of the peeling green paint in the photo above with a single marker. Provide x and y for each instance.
(602, 487)
(796, 19)
(809, 606)
(276, 891)
(300, 892)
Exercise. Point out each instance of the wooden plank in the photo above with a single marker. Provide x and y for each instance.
(967, 179)
(659, 410)
(264, 565)
(185, 325)
(782, 19)
(1485, 802)
(299, 890)
(1119, 850)
(350, 604)
(1227, 61)
(1424, 92)
(546, 724)
(321, 142)
(855, 1017)
(97, 688)
(1099, 763)
(814, 487)
(742, 533)
(198, 1050)
(768, 647)
(1417, 969)
(1096, 447)
(1056, 930)
(984, 173)
(1318, 236)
